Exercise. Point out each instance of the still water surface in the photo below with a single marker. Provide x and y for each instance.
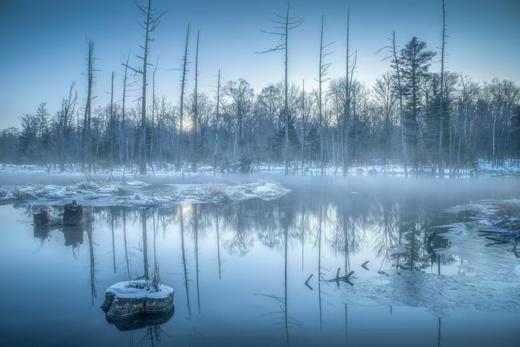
(239, 270)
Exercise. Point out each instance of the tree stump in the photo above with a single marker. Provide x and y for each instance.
(72, 214)
(41, 217)
(126, 300)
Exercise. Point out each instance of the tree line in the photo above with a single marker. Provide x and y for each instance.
(426, 120)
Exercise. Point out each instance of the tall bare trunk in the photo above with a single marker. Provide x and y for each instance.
(400, 91)
(304, 126)
(142, 137)
(346, 111)
(217, 114)
(111, 122)
(181, 106)
(86, 152)
(286, 87)
(441, 100)
(195, 114)
(320, 100)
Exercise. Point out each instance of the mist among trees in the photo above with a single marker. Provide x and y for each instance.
(425, 120)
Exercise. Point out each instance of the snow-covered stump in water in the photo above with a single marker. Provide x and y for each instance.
(130, 299)
(41, 217)
(72, 214)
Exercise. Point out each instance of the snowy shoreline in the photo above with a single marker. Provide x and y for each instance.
(138, 193)
(483, 167)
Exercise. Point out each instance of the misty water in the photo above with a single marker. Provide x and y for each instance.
(240, 268)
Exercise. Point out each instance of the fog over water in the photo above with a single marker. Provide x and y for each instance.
(260, 173)
(241, 269)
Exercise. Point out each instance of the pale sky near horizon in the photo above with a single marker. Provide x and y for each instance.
(44, 43)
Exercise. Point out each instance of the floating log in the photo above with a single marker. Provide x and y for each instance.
(339, 278)
(72, 213)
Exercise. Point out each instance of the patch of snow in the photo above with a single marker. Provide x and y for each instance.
(139, 289)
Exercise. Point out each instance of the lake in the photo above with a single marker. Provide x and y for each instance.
(334, 262)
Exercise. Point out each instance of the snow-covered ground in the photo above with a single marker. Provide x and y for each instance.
(507, 167)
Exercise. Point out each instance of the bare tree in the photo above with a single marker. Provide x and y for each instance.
(283, 25)
(86, 137)
(441, 100)
(154, 115)
(68, 106)
(322, 73)
(346, 111)
(397, 70)
(304, 127)
(124, 140)
(195, 113)
(241, 95)
(386, 100)
(217, 114)
(111, 125)
(152, 18)
(181, 105)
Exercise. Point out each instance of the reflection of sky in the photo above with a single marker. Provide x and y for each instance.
(44, 42)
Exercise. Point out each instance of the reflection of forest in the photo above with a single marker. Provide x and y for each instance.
(398, 231)
(348, 222)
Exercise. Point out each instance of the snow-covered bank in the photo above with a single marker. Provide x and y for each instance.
(138, 193)
(485, 167)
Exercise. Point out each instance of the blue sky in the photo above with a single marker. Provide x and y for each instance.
(44, 42)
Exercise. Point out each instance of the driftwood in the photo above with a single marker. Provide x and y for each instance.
(339, 278)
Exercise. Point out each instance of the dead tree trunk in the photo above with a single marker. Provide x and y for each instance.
(320, 103)
(304, 126)
(154, 115)
(195, 114)
(322, 73)
(142, 137)
(86, 138)
(346, 111)
(400, 92)
(181, 106)
(285, 90)
(217, 114)
(284, 24)
(111, 123)
(441, 100)
(152, 18)
(124, 141)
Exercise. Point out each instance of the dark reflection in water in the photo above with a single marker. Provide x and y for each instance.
(256, 272)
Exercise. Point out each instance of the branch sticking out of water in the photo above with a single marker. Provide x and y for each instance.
(307, 282)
